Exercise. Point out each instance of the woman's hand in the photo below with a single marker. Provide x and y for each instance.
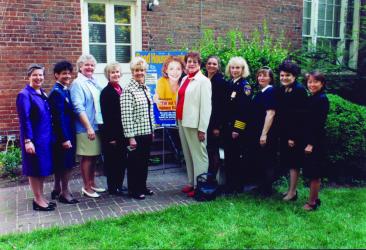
(201, 136)
(67, 144)
(309, 149)
(29, 148)
(133, 143)
(263, 140)
(113, 143)
(234, 135)
(91, 133)
(216, 132)
(291, 143)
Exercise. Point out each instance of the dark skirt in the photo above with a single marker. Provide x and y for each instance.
(63, 158)
(291, 158)
(314, 163)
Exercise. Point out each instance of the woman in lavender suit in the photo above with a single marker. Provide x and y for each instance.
(35, 135)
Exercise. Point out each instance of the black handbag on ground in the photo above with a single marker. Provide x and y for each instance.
(207, 187)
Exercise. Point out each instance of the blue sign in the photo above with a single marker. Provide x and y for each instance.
(162, 79)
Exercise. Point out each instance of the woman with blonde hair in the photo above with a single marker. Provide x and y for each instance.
(85, 93)
(138, 124)
(237, 115)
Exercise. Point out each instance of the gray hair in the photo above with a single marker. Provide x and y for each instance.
(138, 63)
(238, 61)
(110, 66)
(33, 67)
(84, 58)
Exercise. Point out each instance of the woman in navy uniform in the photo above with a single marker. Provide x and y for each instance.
(114, 142)
(237, 115)
(214, 131)
(317, 111)
(291, 98)
(63, 120)
(262, 132)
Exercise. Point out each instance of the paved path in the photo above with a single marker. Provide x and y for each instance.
(17, 215)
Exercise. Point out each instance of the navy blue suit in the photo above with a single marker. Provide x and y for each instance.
(63, 120)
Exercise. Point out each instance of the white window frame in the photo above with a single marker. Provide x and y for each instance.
(353, 51)
(136, 30)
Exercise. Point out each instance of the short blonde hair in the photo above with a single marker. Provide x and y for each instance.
(84, 58)
(138, 63)
(111, 66)
(238, 61)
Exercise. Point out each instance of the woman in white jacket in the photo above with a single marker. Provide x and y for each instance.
(193, 116)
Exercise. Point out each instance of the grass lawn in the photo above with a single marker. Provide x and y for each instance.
(240, 222)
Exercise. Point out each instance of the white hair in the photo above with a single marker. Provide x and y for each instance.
(84, 58)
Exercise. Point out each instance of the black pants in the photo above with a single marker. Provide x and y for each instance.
(138, 161)
(234, 150)
(115, 163)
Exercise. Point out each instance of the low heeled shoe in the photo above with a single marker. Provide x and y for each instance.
(62, 199)
(99, 190)
(90, 195)
(37, 207)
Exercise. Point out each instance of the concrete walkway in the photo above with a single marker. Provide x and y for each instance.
(17, 215)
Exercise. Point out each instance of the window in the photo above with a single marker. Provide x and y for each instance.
(111, 31)
(333, 23)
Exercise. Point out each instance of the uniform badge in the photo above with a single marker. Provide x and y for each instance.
(247, 90)
(233, 94)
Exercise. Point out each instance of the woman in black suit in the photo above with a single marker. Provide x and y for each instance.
(214, 131)
(317, 111)
(291, 100)
(114, 143)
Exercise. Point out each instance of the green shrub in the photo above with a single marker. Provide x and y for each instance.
(346, 139)
(9, 162)
(261, 49)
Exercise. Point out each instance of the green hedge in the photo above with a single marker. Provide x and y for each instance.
(346, 139)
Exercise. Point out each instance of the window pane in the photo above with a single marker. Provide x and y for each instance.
(97, 33)
(307, 9)
(96, 12)
(321, 27)
(322, 1)
(330, 2)
(122, 14)
(123, 53)
(99, 52)
(123, 34)
(306, 27)
(328, 28)
(330, 9)
(321, 13)
(337, 2)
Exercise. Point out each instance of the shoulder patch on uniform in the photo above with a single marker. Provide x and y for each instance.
(247, 89)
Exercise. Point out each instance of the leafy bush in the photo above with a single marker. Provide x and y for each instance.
(346, 139)
(9, 162)
(261, 49)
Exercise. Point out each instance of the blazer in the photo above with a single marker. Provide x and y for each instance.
(63, 117)
(137, 112)
(111, 111)
(197, 103)
(219, 91)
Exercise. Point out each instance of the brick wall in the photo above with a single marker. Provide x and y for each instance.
(33, 31)
(182, 20)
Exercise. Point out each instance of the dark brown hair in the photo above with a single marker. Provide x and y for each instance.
(193, 55)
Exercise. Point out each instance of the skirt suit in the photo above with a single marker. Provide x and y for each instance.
(35, 124)
(317, 111)
(63, 119)
(291, 114)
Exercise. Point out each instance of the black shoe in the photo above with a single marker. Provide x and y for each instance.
(318, 202)
(62, 199)
(148, 192)
(137, 196)
(117, 192)
(37, 207)
(52, 204)
(55, 194)
(294, 198)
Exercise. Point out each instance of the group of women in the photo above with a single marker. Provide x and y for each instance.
(252, 126)
(83, 119)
